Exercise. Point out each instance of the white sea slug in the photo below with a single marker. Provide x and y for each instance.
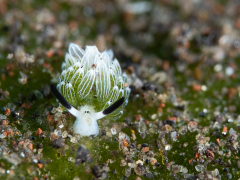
(91, 86)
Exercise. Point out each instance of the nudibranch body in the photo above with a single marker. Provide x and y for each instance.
(91, 86)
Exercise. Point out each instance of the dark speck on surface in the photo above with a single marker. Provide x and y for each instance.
(181, 108)
(15, 114)
(39, 145)
(32, 97)
(103, 133)
(83, 155)
(148, 175)
(202, 114)
(114, 171)
(97, 171)
(144, 145)
(169, 122)
(58, 143)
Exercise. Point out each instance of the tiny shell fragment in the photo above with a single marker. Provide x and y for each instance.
(39, 132)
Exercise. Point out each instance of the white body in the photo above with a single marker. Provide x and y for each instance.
(86, 120)
(86, 127)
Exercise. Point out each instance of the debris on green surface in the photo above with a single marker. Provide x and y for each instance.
(182, 62)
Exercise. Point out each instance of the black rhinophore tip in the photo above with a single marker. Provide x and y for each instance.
(61, 99)
(114, 106)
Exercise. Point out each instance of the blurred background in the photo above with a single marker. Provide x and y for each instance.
(182, 60)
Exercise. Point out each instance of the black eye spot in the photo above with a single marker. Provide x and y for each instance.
(68, 81)
(82, 67)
